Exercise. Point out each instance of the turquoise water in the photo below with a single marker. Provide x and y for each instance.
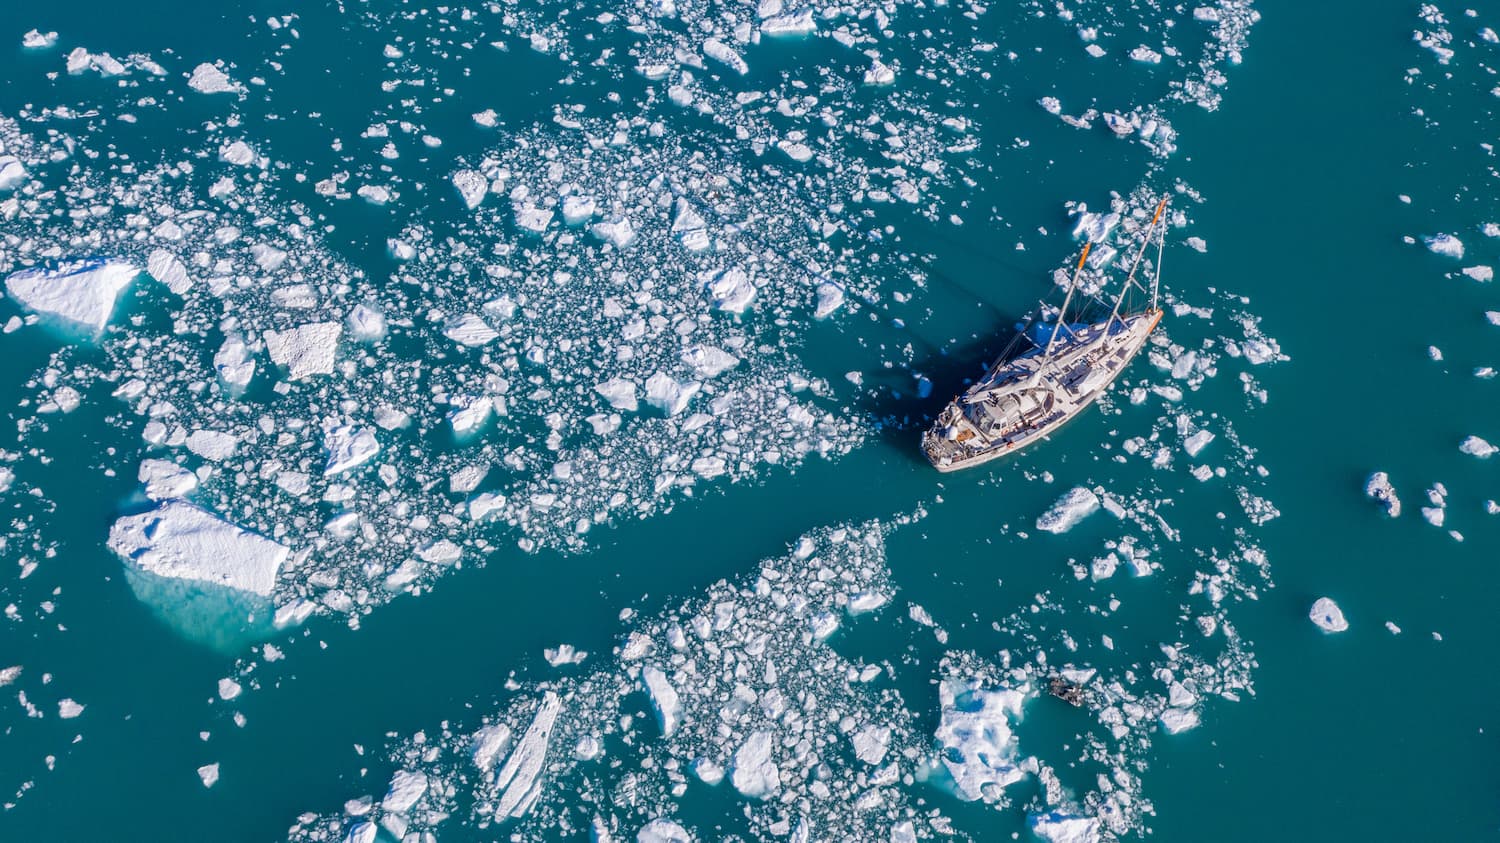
(1360, 735)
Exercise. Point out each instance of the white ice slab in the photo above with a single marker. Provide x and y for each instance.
(664, 700)
(978, 746)
(306, 350)
(755, 773)
(348, 446)
(1328, 616)
(1058, 827)
(1074, 506)
(208, 79)
(83, 292)
(179, 540)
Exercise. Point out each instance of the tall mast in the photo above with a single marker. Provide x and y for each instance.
(1161, 247)
(1145, 241)
(1062, 314)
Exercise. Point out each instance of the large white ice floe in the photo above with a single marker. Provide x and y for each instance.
(755, 773)
(1328, 616)
(82, 293)
(664, 700)
(976, 746)
(1380, 489)
(1075, 505)
(1445, 244)
(209, 79)
(662, 830)
(180, 540)
(306, 350)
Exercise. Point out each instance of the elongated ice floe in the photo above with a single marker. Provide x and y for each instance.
(348, 446)
(1075, 505)
(1379, 488)
(1059, 827)
(82, 293)
(664, 700)
(517, 779)
(179, 540)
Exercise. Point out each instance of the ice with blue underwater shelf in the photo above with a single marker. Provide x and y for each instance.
(82, 293)
(977, 747)
(1068, 511)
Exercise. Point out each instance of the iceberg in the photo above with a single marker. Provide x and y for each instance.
(731, 290)
(12, 172)
(208, 79)
(707, 361)
(182, 541)
(234, 364)
(668, 395)
(169, 270)
(1445, 244)
(516, 780)
(1379, 487)
(469, 330)
(82, 292)
(472, 186)
(164, 480)
(407, 786)
(663, 831)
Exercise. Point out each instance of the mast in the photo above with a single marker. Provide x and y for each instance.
(1161, 247)
(1146, 241)
(1062, 314)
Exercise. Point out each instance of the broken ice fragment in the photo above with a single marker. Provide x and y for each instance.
(1074, 506)
(348, 446)
(83, 292)
(306, 350)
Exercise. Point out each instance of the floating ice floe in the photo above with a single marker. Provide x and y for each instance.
(1445, 244)
(472, 186)
(669, 395)
(977, 748)
(1058, 827)
(82, 293)
(470, 330)
(209, 79)
(12, 172)
(209, 773)
(1379, 488)
(1474, 446)
(660, 830)
(1075, 505)
(35, 40)
(1328, 616)
(163, 480)
(664, 700)
(348, 446)
(306, 350)
(233, 362)
(169, 270)
(179, 540)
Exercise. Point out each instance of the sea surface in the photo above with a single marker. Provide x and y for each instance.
(640, 310)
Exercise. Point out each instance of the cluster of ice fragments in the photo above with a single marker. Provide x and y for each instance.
(743, 693)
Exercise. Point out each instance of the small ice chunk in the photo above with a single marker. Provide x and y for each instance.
(1075, 505)
(472, 186)
(725, 54)
(407, 786)
(234, 364)
(664, 699)
(488, 744)
(35, 40)
(348, 446)
(668, 394)
(1480, 273)
(228, 689)
(871, 744)
(1197, 442)
(469, 330)
(1175, 720)
(469, 414)
(577, 209)
(82, 292)
(1328, 616)
(616, 230)
(67, 708)
(366, 324)
(879, 73)
(755, 772)
(306, 350)
(209, 773)
(663, 830)
(209, 79)
(830, 298)
(169, 270)
(1445, 244)
(1197, 244)
(12, 172)
(1379, 487)
(707, 361)
(619, 392)
(1474, 446)
(237, 153)
(182, 541)
(213, 445)
(1058, 827)
(164, 480)
(731, 290)
(532, 218)
(788, 25)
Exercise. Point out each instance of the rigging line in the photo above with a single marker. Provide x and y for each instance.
(1145, 241)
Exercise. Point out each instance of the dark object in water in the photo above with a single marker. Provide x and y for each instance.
(1066, 691)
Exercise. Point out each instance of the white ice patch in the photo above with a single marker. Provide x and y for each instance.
(755, 772)
(234, 364)
(731, 290)
(307, 350)
(1474, 446)
(209, 773)
(1379, 487)
(620, 394)
(180, 540)
(1328, 616)
(348, 446)
(82, 293)
(209, 79)
(668, 394)
(976, 745)
(469, 330)
(830, 298)
(1058, 827)
(169, 270)
(1445, 244)
(407, 786)
(472, 186)
(1070, 509)
(12, 172)
(664, 700)
(517, 779)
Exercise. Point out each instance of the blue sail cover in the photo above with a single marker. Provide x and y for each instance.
(1041, 332)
